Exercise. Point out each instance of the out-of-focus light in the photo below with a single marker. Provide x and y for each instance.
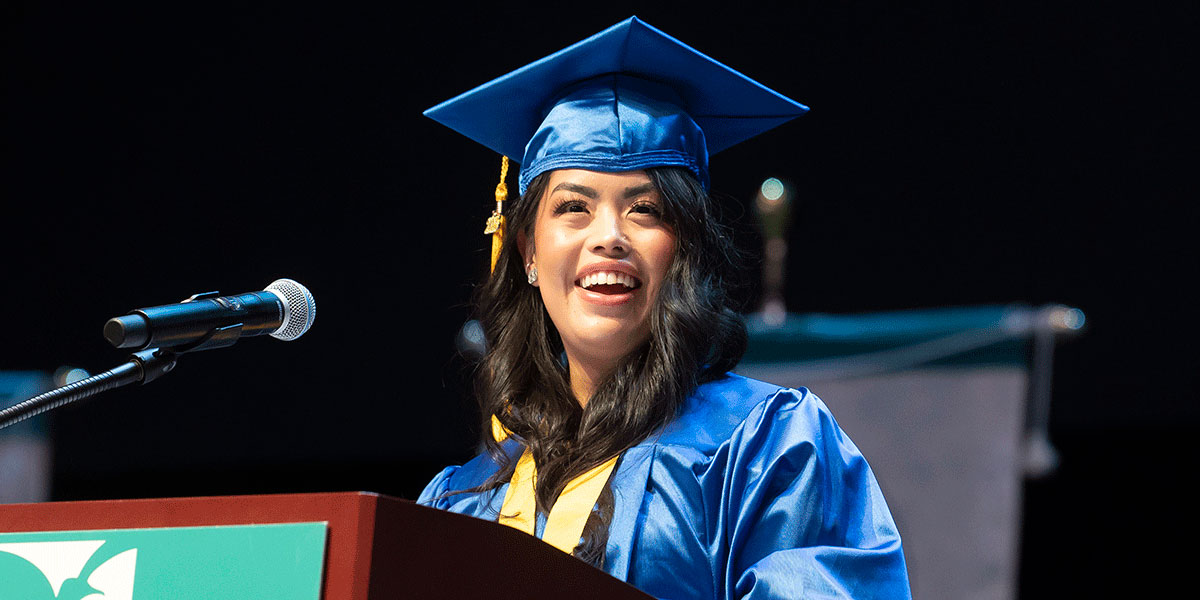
(772, 189)
(1073, 318)
(473, 332)
(76, 374)
(66, 375)
(471, 341)
(1064, 318)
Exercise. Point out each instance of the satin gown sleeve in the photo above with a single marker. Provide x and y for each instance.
(432, 494)
(800, 514)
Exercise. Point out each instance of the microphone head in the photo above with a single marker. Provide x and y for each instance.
(299, 309)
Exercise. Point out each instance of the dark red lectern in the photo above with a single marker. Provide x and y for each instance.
(378, 547)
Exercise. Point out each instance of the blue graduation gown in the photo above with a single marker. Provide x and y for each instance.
(753, 492)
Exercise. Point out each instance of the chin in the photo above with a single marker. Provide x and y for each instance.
(614, 342)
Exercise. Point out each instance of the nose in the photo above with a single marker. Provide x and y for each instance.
(608, 236)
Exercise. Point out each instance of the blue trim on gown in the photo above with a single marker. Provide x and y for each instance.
(752, 492)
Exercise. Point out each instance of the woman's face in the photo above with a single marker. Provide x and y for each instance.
(602, 252)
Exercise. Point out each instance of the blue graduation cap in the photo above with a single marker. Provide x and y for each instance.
(627, 98)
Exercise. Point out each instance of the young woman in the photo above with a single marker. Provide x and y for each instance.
(616, 432)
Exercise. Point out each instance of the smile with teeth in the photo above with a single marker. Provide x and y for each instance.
(608, 282)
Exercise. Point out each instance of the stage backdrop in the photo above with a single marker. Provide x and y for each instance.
(937, 402)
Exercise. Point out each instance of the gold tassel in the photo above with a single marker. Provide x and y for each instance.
(495, 223)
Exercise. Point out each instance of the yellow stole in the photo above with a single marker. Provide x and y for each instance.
(564, 524)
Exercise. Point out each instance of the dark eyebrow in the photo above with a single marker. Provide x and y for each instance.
(639, 190)
(575, 187)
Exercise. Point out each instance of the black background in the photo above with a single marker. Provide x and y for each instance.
(955, 154)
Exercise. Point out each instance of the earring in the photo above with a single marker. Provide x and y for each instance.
(532, 274)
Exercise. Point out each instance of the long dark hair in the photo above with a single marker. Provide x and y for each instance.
(695, 336)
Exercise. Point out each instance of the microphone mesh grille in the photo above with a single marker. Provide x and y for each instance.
(299, 309)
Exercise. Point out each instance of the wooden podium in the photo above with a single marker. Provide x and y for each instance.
(377, 547)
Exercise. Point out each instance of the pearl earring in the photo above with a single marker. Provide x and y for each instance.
(532, 274)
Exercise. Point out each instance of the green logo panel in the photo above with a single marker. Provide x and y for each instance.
(181, 563)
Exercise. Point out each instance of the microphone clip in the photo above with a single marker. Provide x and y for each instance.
(221, 337)
(154, 363)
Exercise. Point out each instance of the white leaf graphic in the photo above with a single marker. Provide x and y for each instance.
(58, 561)
(114, 578)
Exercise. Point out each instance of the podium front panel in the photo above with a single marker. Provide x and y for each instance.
(183, 563)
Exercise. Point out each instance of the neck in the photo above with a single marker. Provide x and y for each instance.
(585, 376)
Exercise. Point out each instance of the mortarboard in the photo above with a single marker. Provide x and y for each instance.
(627, 98)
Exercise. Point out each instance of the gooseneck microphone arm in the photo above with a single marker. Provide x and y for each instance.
(143, 367)
(285, 310)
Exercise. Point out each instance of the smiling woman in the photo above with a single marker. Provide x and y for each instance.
(615, 431)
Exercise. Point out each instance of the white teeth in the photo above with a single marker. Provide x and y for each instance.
(607, 278)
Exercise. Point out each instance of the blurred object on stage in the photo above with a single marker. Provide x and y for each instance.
(774, 209)
(950, 407)
(26, 457)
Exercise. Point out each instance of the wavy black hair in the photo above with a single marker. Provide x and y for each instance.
(695, 336)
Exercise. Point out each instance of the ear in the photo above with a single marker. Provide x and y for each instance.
(525, 245)
(528, 256)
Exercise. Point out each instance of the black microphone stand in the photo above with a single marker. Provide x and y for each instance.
(143, 367)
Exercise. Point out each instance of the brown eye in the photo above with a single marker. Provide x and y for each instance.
(647, 208)
(573, 206)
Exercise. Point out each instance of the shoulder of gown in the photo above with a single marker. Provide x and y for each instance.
(439, 492)
(715, 411)
(792, 508)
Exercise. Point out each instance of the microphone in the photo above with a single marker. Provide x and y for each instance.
(284, 310)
